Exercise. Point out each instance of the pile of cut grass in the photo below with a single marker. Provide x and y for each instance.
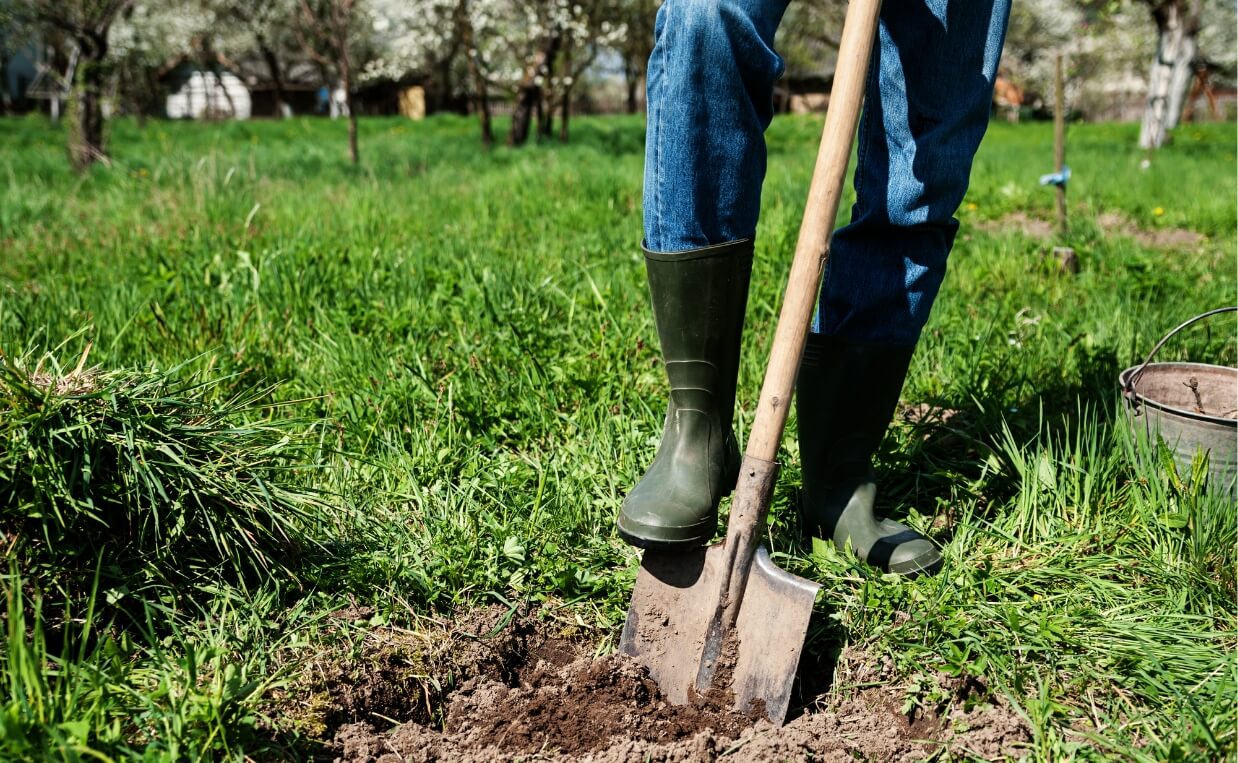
(151, 479)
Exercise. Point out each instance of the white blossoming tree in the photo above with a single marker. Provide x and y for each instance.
(538, 49)
(1191, 35)
(535, 49)
(335, 34)
(148, 35)
(1107, 46)
(589, 28)
(637, 17)
(411, 37)
(243, 26)
(1177, 27)
(432, 36)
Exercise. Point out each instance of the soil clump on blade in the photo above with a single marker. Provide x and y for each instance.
(555, 701)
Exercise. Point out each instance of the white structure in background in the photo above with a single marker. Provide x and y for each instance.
(210, 95)
(339, 103)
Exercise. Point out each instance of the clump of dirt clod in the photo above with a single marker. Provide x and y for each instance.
(539, 694)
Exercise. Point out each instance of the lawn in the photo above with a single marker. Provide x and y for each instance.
(284, 442)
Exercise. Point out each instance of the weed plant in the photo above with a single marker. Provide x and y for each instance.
(468, 333)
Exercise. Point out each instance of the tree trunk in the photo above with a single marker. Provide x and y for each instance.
(1202, 86)
(4, 90)
(545, 116)
(632, 78)
(481, 101)
(526, 100)
(443, 88)
(354, 154)
(1173, 24)
(545, 106)
(277, 75)
(487, 131)
(148, 102)
(211, 113)
(529, 93)
(565, 105)
(565, 110)
(477, 83)
(346, 82)
(86, 105)
(1180, 80)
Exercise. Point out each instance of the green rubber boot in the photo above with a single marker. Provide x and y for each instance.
(699, 297)
(846, 395)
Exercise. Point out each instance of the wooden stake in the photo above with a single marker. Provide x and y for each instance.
(1059, 139)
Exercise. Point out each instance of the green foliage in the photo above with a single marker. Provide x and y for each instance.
(1081, 587)
(109, 695)
(151, 474)
(469, 335)
(57, 704)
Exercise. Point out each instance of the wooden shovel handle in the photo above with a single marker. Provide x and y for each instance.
(751, 503)
(813, 248)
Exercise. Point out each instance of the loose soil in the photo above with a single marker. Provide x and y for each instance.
(1112, 223)
(1156, 238)
(531, 689)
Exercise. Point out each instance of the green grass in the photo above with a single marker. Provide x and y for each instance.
(458, 346)
(148, 478)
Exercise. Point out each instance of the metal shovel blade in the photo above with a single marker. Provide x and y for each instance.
(672, 627)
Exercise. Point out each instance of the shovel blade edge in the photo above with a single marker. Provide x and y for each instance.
(672, 620)
(771, 627)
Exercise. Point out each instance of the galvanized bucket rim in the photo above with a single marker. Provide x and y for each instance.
(1135, 398)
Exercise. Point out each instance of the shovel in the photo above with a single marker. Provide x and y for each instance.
(726, 618)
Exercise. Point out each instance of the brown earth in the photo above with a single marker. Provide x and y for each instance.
(485, 689)
(1156, 238)
(1033, 227)
(1112, 223)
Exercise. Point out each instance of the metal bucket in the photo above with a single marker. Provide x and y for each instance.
(1192, 406)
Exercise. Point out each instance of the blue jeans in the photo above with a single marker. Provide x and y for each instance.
(710, 90)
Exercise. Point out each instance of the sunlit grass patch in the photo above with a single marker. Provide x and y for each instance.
(465, 338)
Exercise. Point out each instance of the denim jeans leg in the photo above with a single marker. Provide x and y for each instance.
(926, 109)
(710, 86)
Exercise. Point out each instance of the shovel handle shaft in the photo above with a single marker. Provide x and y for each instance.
(752, 492)
(813, 247)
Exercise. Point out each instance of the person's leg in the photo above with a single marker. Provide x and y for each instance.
(710, 86)
(926, 110)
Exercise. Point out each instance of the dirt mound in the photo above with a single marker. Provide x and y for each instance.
(375, 673)
(608, 710)
(574, 710)
(1156, 238)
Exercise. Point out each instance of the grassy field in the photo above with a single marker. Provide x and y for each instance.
(248, 386)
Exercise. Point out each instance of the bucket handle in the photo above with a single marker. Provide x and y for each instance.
(1133, 379)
